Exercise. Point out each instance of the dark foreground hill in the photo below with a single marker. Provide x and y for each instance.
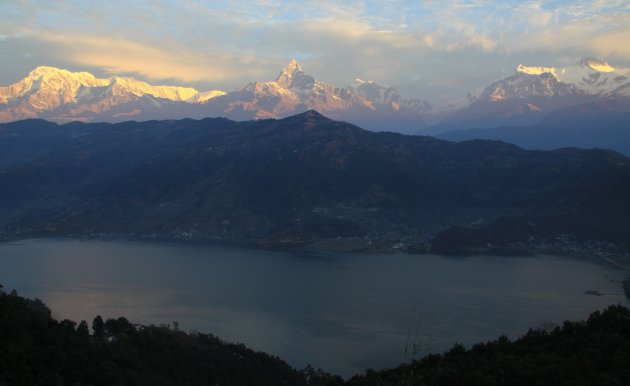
(296, 179)
(38, 350)
(591, 352)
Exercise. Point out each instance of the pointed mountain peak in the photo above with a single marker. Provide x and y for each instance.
(288, 73)
(597, 65)
(293, 67)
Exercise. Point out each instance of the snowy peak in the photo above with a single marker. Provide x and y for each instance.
(61, 95)
(291, 68)
(45, 80)
(376, 93)
(45, 88)
(50, 75)
(528, 82)
(364, 103)
(597, 77)
(130, 86)
(59, 86)
(386, 97)
(596, 65)
(587, 77)
(206, 96)
(534, 91)
(48, 72)
(40, 71)
(293, 76)
(536, 70)
(586, 64)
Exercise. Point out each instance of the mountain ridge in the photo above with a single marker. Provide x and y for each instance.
(62, 96)
(524, 98)
(303, 178)
(531, 93)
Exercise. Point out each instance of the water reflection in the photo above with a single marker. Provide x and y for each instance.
(341, 312)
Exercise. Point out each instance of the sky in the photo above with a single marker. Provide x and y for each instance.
(434, 50)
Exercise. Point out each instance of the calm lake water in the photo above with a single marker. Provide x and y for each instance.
(338, 311)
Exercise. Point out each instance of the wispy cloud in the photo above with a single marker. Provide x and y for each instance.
(116, 56)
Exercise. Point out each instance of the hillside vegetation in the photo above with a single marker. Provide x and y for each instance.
(38, 350)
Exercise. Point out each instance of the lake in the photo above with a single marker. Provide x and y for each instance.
(342, 312)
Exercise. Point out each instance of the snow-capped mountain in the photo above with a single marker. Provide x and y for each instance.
(293, 91)
(596, 77)
(364, 103)
(523, 98)
(588, 77)
(61, 95)
(378, 95)
(531, 93)
(583, 105)
(525, 84)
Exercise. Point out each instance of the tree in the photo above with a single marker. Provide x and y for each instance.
(83, 330)
(118, 326)
(98, 326)
(68, 324)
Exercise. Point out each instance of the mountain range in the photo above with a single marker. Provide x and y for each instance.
(586, 105)
(531, 93)
(301, 178)
(592, 98)
(63, 96)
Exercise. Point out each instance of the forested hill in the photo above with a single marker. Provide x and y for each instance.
(37, 350)
(591, 352)
(303, 177)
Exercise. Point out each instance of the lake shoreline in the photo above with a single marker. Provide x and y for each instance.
(619, 259)
(305, 303)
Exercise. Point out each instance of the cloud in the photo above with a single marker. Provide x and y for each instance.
(598, 35)
(427, 50)
(118, 56)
